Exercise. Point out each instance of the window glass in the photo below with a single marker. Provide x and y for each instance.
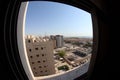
(63, 33)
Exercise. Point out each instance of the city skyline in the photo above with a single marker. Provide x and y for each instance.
(51, 18)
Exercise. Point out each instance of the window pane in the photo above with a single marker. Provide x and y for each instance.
(60, 37)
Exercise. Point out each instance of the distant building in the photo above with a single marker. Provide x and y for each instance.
(59, 42)
(40, 55)
(53, 38)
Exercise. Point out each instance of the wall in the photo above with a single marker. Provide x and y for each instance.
(69, 75)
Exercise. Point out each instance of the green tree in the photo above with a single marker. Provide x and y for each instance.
(61, 53)
(76, 43)
(64, 67)
(88, 44)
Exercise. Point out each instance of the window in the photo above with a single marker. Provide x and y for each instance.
(71, 27)
(28, 41)
(31, 56)
(30, 50)
(43, 55)
(35, 72)
(41, 48)
(45, 70)
(40, 66)
(70, 40)
(44, 60)
(34, 68)
(45, 66)
(38, 61)
(37, 55)
(36, 48)
(41, 71)
(32, 62)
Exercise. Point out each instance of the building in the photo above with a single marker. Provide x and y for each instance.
(40, 55)
(58, 40)
(53, 38)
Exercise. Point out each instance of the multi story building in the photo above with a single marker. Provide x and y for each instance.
(59, 40)
(40, 55)
(53, 38)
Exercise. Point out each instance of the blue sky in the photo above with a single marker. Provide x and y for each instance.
(50, 18)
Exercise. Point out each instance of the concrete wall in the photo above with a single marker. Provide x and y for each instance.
(69, 75)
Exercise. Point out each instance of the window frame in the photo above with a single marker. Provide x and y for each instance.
(85, 5)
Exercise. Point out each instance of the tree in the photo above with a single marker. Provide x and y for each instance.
(64, 67)
(61, 53)
(88, 44)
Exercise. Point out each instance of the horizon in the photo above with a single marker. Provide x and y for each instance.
(63, 36)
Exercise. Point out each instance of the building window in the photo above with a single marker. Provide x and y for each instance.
(36, 48)
(37, 55)
(31, 56)
(34, 68)
(45, 70)
(40, 66)
(45, 66)
(41, 71)
(30, 50)
(35, 72)
(41, 48)
(34, 40)
(38, 61)
(32, 62)
(43, 55)
(28, 41)
(44, 61)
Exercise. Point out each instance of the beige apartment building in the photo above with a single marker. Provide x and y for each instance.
(40, 54)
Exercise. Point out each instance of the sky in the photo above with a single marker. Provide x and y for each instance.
(51, 18)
